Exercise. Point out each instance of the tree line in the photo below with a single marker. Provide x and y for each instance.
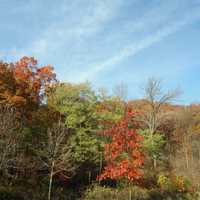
(60, 140)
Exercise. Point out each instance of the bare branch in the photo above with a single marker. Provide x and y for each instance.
(156, 97)
(9, 136)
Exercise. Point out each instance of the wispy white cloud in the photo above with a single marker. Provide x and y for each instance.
(78, 20)
(75, 26)
(162, 11)
(136, 47)
(90, 39)
(67, 41)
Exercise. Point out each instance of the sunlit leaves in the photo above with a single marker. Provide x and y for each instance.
(123, 153)
(23, 82)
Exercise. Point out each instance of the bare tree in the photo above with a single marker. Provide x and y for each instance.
(121, 91)
(56, 156)
(103, 93)
(155, 98)
(9, 137)
(153, 116)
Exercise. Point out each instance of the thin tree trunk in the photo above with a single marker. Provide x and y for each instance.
(130, 194)
(89, 177)
(50, 181)
(100, 164)
(154, 163)
(186, 157)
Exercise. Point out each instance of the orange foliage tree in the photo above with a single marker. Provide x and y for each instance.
(22, 83)
(123, 154)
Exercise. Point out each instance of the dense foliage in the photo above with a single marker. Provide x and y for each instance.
(123, 155)
(66, 141)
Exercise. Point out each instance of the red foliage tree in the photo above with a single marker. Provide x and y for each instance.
(123, 156)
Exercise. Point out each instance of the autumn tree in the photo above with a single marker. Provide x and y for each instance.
(22, 86)
(23, 82)
(7, 82)
(123, 155)
(185, 158)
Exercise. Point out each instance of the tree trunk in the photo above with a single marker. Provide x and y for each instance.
(50, 181)
(154, 156)
(100, 164)
(130, 194)
(154, 163)
(186, 158)
(89, 177)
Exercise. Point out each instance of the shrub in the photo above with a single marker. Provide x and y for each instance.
(174, 183)
(134, 193)
(99, 193)
(156, 194)
(105, 193)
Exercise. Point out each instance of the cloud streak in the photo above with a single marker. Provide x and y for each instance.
(135, 48)
(78, 20)
(74, 27)
(83, 39)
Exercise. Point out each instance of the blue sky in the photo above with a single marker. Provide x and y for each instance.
(108, 41)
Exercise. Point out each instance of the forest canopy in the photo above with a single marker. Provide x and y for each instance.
(61, 140)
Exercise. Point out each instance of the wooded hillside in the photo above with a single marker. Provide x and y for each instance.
(60, 140)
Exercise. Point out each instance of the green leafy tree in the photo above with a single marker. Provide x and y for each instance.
(110, 108)
(153, 144)
(77, 104)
